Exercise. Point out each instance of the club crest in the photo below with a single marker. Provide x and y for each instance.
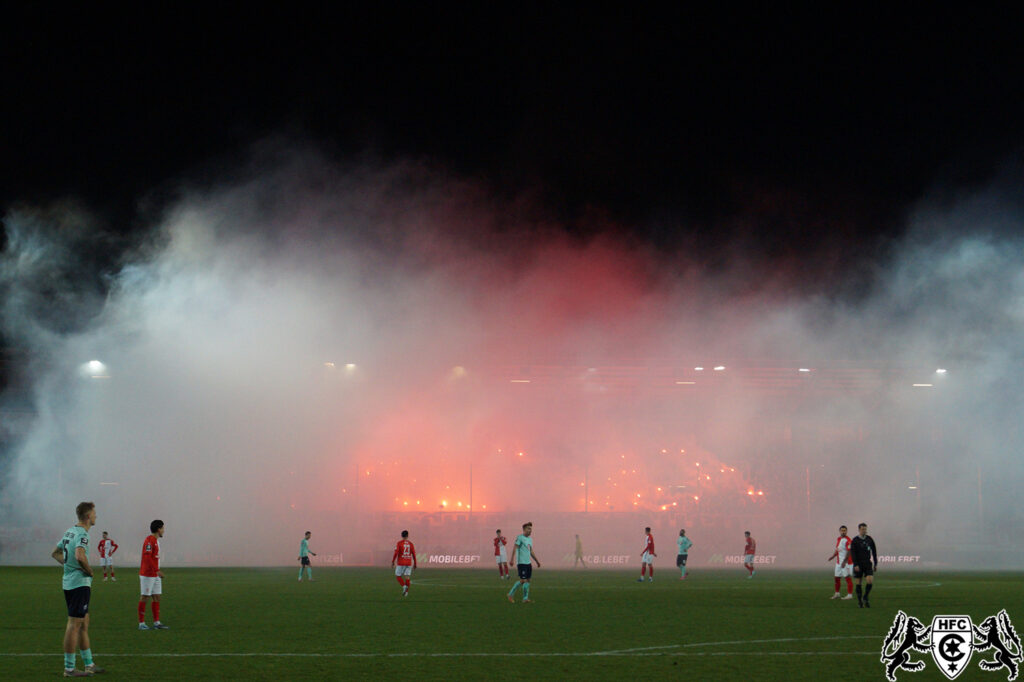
(952, 640)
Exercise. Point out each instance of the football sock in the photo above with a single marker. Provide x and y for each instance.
(849, 585)
(526, 590)
(515, 587)
(400, 580)
(651, 567)
(867, 590)
(643, 570)
(142, 611)
(858, 592)
(86, 656)
(69, 661)
(156, 611)
(309, 572)
(837, 584)
(300, 572)
(682, 571)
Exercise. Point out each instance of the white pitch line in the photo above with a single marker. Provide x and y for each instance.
(643, 651)
(581, 654)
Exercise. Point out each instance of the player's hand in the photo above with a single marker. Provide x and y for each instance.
(160, 574)
(856, 570)
(538, 564)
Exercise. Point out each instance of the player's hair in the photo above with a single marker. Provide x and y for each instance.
(309, 532)
(498, 531)
(842, 527)
(746, 532)
(682, 531)
(405, 533)
(528, 523)
(862, 525)
(156, 525)
(83, 509)
(647, 529)
(104, 532)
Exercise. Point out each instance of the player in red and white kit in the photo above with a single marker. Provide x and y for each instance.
(844, 563)
(106, 548)
(405, 557)
(647, 556)
(748, 554)
(499, 554)
(150, 576)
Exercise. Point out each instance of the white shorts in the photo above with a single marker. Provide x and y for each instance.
(500, 558)
(403, 570)
(844, 571)
(149, 585)
(646, 558)
(106, 561)
(748, 558)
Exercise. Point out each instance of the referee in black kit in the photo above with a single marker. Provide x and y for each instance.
(865, 562)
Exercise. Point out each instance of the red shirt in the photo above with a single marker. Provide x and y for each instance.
(751, 546)
(405, 554)
(843, 554)
(150, 557)
(498, 542)
(649, 547)
(107, 547)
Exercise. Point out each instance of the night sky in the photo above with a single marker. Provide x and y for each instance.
(780, 131)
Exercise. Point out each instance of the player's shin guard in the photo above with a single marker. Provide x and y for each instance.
(142, 610)
(526, 590)
(867, 590)
(650, 567)
(849, 586)
(156, 611)
(643, 570)
(837, 585)
(858, 593)
(401, 580)
(515, 586)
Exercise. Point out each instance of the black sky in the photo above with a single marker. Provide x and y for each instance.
(779, 128)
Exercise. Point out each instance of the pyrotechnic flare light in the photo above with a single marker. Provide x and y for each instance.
(698, 369)
(923, 385)
(719, 368)
(940, 371)
(803, 369)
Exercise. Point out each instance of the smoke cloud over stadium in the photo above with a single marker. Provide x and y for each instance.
(319, 347)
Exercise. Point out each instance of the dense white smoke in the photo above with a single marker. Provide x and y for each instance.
(306, 346)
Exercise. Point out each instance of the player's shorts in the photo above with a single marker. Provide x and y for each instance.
(748, 558)
(78, 601)
(646, 558)
(844, 570)
(106, 561)
(403, 570)
(149, 585)
(304, 560)
(500, 558)
(680, 559)
(862, 570)
(525, 571)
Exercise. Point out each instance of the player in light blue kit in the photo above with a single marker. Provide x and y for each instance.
(72, 552)
(304, 553)
(522, 549)
(684, 543)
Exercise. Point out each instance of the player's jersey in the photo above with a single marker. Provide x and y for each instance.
(843, 555)
(863, 550)
(150, 557)
(106, 548)
(405, 553)
(750, 547)
(304, 548)
(499, 544)
(74, 576)
(648, 544)
(523, 547)
(684, 543)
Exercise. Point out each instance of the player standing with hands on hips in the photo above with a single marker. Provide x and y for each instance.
(73, 553)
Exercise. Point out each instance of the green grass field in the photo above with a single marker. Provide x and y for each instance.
(457, 624)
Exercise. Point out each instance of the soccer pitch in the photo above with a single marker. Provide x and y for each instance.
(238, 623)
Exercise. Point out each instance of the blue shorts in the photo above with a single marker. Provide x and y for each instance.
(525, 571)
